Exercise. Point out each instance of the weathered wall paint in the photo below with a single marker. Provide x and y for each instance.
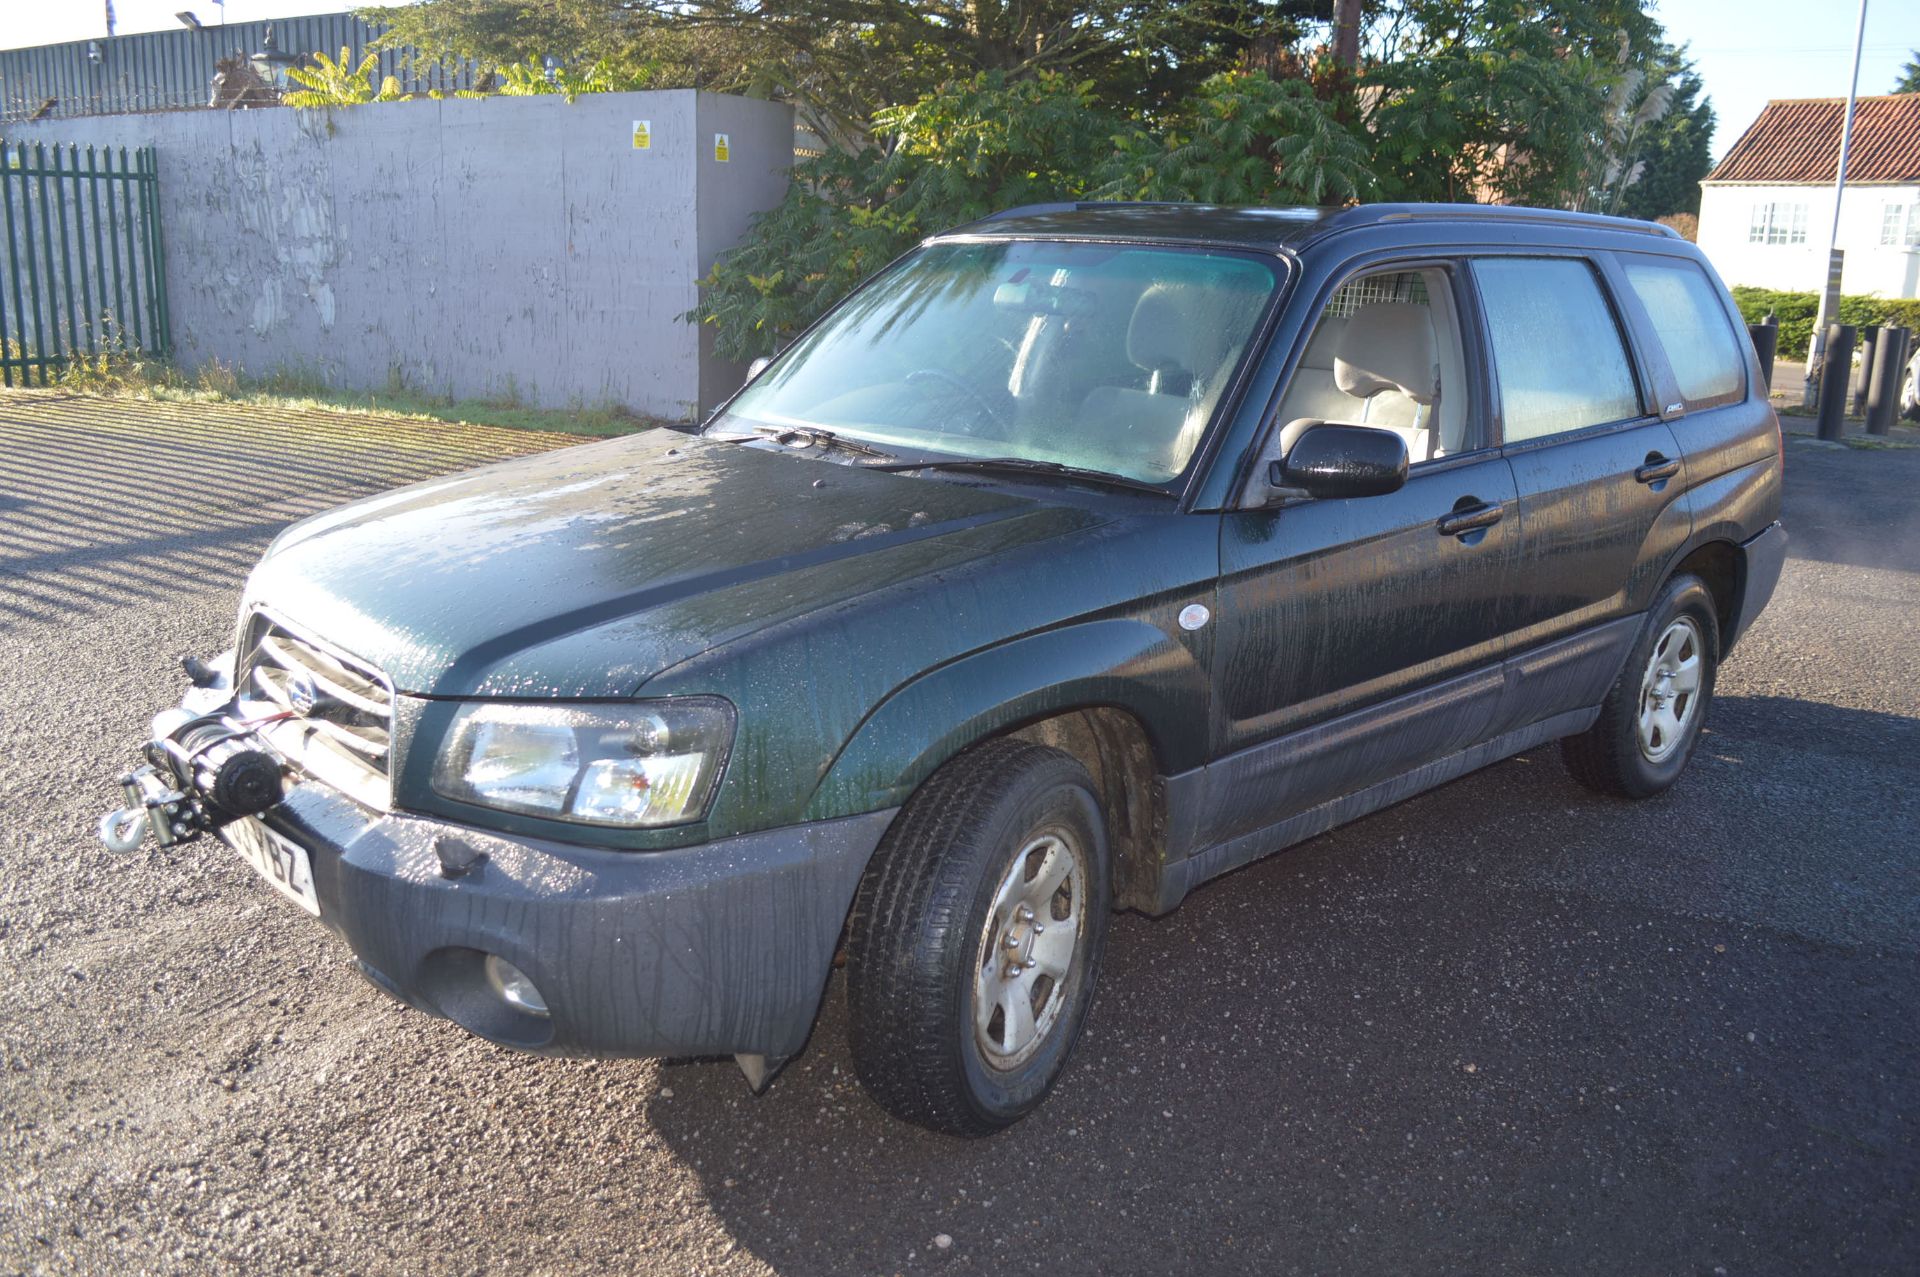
(505, 246)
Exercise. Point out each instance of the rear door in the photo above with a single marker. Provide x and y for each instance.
(1600, 477)
(1700, 359)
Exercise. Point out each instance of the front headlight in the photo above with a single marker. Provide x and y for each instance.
(640, 765)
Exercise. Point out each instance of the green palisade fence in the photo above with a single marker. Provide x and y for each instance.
(82, 273)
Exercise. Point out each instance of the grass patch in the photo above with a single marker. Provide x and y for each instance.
(214, 382)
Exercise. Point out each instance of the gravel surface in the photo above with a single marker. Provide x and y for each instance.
(1507, 1026)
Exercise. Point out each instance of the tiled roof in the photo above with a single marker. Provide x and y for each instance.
(1799, 141)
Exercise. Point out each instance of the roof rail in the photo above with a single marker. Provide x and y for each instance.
(1375, 214)
(1076, 206)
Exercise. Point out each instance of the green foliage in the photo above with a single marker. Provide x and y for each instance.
(336, 82)
(959, 154)
(994, 142)
(533, 78)
(989, 143)
(1909, 81)
(1796, 314)
(1244, 139)
(841, 61)
(1677, 152)
(1491, 103)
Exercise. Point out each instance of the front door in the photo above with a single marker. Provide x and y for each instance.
(1358, 638)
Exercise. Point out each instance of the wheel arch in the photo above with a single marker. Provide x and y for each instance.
(1118, 695)
(1721, 565)
(1113, 745)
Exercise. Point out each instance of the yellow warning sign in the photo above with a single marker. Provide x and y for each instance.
(720, 148)
(643, 135)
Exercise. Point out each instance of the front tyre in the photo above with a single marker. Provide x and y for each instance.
(1648, 724)
(976, 939)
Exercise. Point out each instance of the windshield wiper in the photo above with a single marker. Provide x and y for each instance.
(816, 436)
(1031, 466)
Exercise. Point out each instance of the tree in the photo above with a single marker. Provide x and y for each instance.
(840, 61)
(1676, 154)
(1498, 100)
(1909, 81)
(1244, 138)
(995, 141)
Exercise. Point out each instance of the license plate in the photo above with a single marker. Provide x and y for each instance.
(282, 863)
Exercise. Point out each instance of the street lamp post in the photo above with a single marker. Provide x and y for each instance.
(1830, 294)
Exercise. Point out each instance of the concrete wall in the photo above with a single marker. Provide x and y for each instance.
(1886, 271)
(467, 247)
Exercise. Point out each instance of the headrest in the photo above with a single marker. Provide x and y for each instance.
(1164, 333)
(1325, 343)
(1388, 346)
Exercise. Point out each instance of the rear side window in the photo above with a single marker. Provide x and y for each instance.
(1556, 346)
(1693, 327)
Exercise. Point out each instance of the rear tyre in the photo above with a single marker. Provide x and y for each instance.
(1651, 719)
(1910, 391)
(976, 939)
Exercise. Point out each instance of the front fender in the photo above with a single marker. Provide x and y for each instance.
(1129, 664)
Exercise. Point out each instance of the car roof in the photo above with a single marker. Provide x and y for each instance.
(1273, 229)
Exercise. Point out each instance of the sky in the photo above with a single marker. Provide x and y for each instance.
(25, 22)
(1747, 50)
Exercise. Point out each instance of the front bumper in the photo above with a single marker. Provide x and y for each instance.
(719, 948)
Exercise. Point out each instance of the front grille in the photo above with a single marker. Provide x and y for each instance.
(337, 723)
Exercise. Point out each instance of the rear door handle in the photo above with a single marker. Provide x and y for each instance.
(1656, 469)
(1471, 519)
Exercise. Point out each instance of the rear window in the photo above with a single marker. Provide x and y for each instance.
(1556, 348)
(1693, 327)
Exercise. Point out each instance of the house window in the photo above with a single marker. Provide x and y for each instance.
(1900, 225)
(1778, 224)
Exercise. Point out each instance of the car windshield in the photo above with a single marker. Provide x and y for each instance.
(1098, 356)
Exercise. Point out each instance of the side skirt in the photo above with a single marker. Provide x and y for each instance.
(1183, 876)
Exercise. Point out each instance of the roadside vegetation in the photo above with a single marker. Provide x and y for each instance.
(933, 112)
(214, 382)
(1796, 311)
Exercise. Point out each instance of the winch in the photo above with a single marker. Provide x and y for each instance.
(203, 771)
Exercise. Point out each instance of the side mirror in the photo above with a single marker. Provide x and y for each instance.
(1343, 461)
(758, 366)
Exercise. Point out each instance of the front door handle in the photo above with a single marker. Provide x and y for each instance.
(1656, 469)
(1471, 519)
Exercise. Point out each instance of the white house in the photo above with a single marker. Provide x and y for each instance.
(1765, 210)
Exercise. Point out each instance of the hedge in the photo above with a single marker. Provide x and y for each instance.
(1796, 310)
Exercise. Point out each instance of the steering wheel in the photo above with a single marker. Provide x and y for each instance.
(978, 400)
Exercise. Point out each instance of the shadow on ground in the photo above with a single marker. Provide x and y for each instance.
(1412, 1044)
(113, 502)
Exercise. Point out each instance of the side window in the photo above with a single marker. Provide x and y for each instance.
(1692, 326)
(1557, 350)
(1385, 353)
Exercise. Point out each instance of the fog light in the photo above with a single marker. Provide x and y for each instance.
(513, 987)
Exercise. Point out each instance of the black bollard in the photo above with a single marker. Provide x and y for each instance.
(1869, 342)
(1836, 377)
(1766, 340)
(1889, 366)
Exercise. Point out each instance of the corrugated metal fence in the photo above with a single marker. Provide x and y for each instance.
(82, 270)
(174, 70)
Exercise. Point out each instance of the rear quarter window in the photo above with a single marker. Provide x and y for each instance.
(1693, 328)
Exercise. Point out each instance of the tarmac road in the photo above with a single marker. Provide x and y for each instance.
(1507, 1026)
